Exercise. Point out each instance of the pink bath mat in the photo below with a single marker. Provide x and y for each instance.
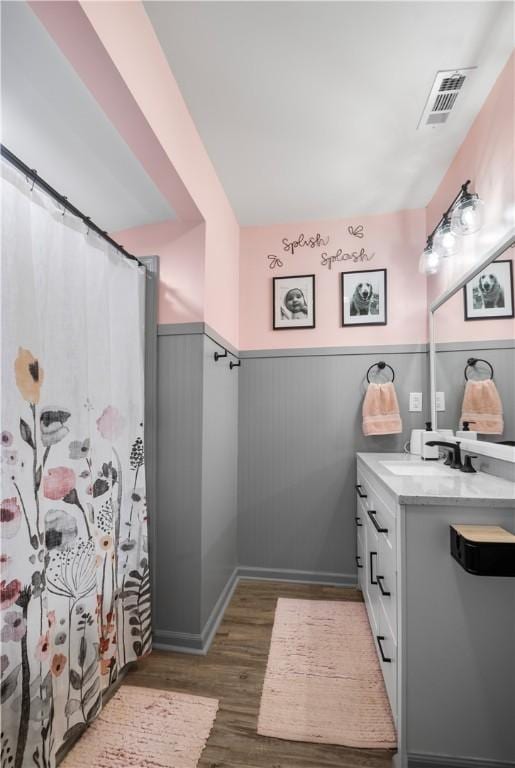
(323, 682)
(146, 728)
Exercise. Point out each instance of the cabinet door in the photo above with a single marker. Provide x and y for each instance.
(387, 653)
(370, 587)
(387, 582)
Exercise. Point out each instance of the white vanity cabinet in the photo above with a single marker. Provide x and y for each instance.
(444, 638)
(377, 550)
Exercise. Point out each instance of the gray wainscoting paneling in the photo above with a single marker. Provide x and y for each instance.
(151, 300)
(179, 487)
(184, 329)
(219, 475)
(299, 431)
(450, 364)
(196, 555)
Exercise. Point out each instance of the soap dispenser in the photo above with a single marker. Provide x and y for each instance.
(466, 433)
(429, 452)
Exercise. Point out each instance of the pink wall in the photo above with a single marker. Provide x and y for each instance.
(222, 265)
(394, 239)
(114, 49)
(181, 249)
(487, 158)
(205, 271)
(124, 27)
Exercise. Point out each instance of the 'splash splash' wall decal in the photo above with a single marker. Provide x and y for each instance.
(315, 241)
(318, 241)
(354, 256)
(275, 261)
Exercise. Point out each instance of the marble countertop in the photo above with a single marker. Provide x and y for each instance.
(452, 488)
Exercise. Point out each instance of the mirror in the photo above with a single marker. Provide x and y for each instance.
(473, 321)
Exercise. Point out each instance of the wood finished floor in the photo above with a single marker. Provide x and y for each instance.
(233, 672)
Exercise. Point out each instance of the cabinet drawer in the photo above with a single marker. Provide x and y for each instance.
(369, 502)
(384, 527)
(361, 515)
(362, 490)
(382, 520)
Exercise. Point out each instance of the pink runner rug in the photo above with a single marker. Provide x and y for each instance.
(323, 682)
(146, 728)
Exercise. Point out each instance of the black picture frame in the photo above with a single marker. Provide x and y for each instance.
(290, 325)
(353, 276)
(508, 290)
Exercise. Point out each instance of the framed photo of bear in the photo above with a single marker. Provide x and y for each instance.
(489, 295)
(364, 297)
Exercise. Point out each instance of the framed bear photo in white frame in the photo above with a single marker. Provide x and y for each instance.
(364, 297)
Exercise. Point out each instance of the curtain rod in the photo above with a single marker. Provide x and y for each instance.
(31, 173)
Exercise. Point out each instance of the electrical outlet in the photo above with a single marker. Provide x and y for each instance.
(440, 401)
(415, 401)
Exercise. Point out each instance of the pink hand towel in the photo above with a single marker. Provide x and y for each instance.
(381, 410)
(482, 407)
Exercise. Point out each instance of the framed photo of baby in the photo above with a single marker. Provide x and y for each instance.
(489, 294)
(294, 302)
(364, 297)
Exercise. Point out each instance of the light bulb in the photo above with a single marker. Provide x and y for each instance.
(445, 241)
(430, 261)
(467, 216)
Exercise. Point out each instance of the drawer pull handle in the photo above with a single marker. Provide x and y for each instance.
(371, 513)
(359, 524)
(358, 558)
(372, 580)
(383, 591)
(379, 640)
(360, 492)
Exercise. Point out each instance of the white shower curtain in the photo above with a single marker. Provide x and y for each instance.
(75, 586)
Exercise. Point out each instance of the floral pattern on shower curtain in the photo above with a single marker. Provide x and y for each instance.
(75, 586)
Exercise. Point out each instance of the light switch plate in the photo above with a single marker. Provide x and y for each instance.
(440, 401)
(415, 401)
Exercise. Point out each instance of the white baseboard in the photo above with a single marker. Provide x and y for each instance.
(218, 611)
(300, 577)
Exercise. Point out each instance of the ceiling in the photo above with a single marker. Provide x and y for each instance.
(51, 121)
(310, 109)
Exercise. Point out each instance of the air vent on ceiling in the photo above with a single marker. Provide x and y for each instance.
(446, 88)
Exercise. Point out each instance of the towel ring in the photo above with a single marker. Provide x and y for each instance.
(381, 364)
(471, 362)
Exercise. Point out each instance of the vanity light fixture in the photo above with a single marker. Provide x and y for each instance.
(464, 216)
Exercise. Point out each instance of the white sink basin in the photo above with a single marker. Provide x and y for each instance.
(407, 469)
